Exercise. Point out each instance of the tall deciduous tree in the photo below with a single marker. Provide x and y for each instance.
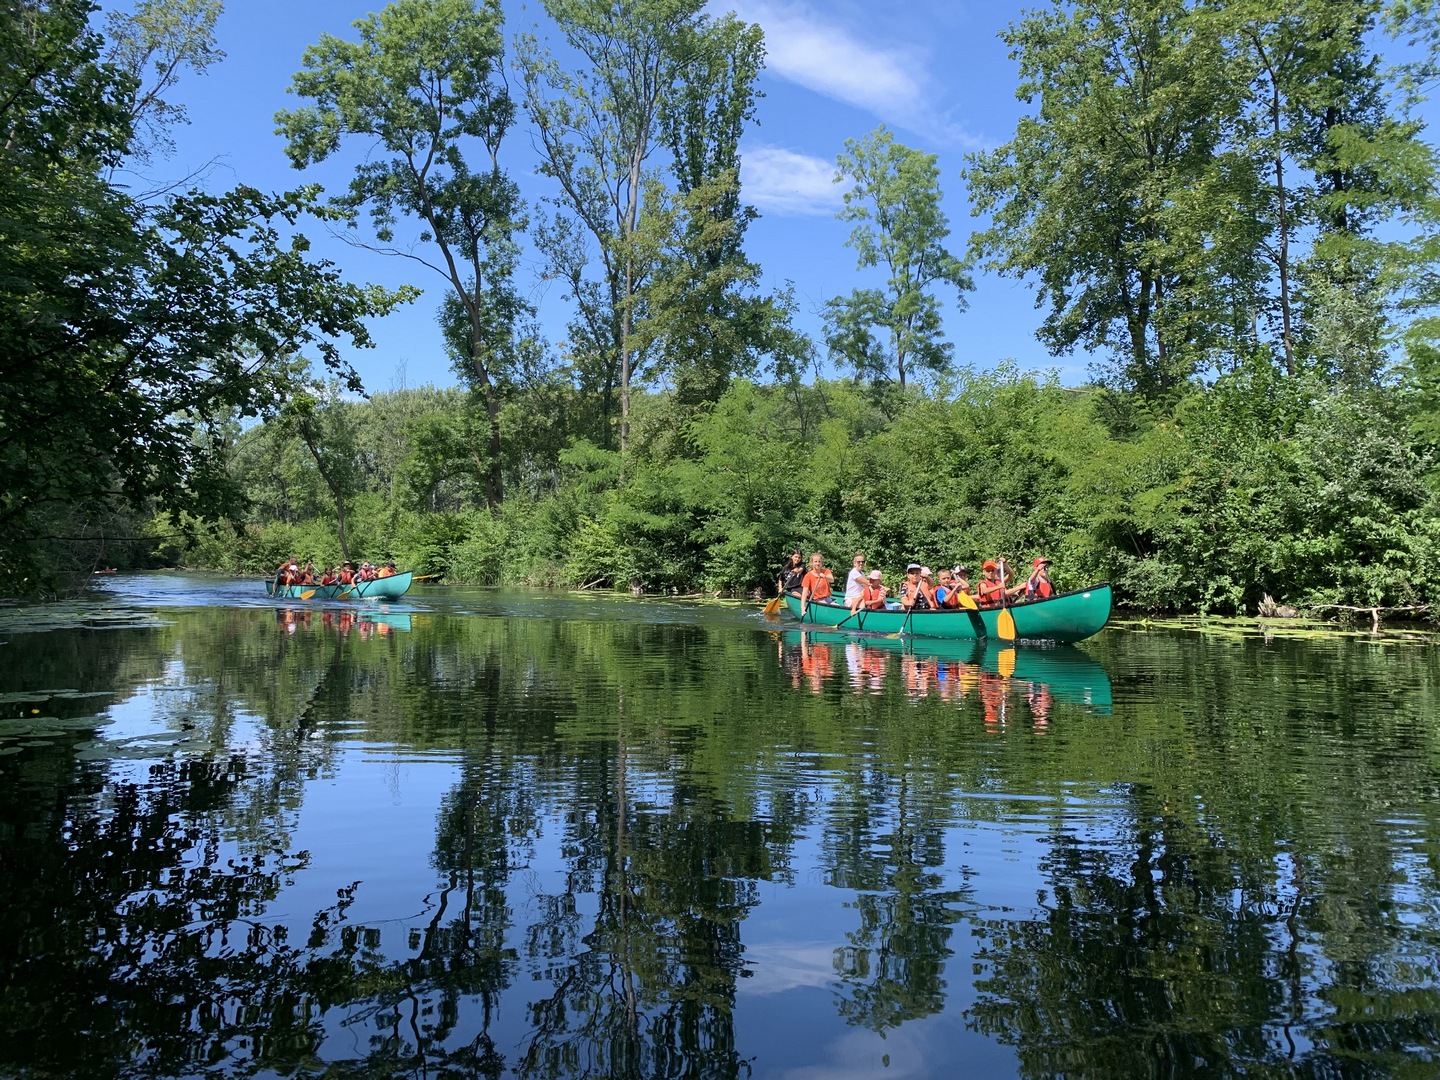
(705, 315)
(132, 329)
(1317, 125)
(654, 272)
(1117, 192)
(596, 130)
(152, 44)
(424, 85)
(900, 227)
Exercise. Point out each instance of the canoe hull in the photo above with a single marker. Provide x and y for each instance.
(1069, 617)
(388, 588)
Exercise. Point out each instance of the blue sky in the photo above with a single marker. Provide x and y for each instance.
(934, 71)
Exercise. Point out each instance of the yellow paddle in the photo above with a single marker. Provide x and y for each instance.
(307, 594)
(1005, 622)
(774, 605)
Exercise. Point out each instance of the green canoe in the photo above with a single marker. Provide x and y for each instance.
(1068, 617)
(385, 588)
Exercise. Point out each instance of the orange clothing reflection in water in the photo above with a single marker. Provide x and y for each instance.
(916, 671)
(994, 690)
(815, 663)
(1041, 703)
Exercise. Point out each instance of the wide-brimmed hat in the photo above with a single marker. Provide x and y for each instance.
(912, 566)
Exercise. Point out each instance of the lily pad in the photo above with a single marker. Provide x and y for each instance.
(31, 726)
(71, 615)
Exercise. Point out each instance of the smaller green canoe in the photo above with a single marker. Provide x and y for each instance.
(1068, 617)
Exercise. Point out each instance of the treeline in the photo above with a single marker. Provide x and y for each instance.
(1261, 483)
(1229, 203)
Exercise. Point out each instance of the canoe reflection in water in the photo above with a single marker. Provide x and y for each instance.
(366, 622)
(952, 671)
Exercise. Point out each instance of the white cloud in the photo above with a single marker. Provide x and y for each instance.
(892, 83)
(788, 184)
(777, 967)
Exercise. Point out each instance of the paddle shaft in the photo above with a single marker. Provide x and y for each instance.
(1004, 622)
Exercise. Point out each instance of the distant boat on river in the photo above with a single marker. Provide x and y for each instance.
(385, 588)
(1068, 617)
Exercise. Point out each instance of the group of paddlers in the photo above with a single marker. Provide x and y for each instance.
(292, 572)
(920, 591)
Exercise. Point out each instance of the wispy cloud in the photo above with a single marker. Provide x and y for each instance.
(893, 82)
(785, 183)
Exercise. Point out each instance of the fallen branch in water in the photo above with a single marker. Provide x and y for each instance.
(1373, 610)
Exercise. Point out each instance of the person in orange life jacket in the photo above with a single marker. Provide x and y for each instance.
(1038, 586)
(816, 583)
(388, 570)
(872, 596)
(991, 590)
(918, 593)
(347, 574)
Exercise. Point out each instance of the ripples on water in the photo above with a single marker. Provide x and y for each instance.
(498, 833)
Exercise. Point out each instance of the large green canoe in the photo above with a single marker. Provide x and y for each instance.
(1068, 617)
(385, 588)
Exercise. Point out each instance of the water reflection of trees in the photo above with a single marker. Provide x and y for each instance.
(1180, 929)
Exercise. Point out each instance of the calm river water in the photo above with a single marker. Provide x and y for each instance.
(485, 833)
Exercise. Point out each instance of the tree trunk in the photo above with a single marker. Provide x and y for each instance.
(494, 476)
(1282, 211)
(307, 435)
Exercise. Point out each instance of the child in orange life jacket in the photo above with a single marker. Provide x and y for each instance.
(1038, 586)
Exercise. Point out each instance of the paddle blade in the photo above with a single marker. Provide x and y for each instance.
(1005, 625)
(774, 605)
(307, 594)
(968, 602)
(1006, 662)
